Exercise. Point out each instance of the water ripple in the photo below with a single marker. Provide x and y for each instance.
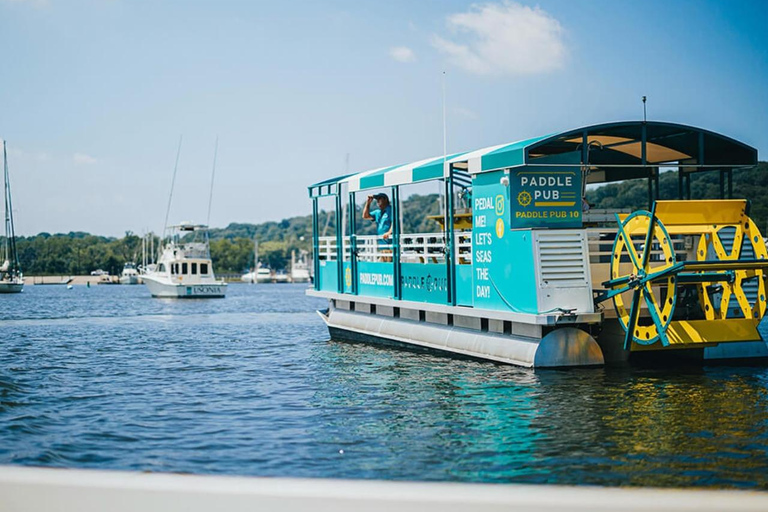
(109, 378)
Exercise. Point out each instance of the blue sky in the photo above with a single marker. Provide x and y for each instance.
(95, 94)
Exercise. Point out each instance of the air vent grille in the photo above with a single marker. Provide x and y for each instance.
(562, 259)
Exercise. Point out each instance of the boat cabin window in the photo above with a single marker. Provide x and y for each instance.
(161, 268)
(204, 268)
(183, 268)
(194, 268)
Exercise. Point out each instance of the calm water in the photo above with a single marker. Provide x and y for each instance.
(109, 378)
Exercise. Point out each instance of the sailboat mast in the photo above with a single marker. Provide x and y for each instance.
(10, 232)
(213, 175)
(5, 201)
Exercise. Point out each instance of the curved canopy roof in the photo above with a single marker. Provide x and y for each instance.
(614, 151)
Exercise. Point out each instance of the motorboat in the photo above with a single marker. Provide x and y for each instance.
(299, 267)
(281, 277)
(184, 269)
(260, 275)
(130, 274)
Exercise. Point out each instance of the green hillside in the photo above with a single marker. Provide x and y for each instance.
(78, 253)
(232, 247)
(751, 184)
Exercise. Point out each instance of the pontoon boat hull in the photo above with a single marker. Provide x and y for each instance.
(562, 347)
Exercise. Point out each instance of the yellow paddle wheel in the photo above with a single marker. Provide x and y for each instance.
(688, 274)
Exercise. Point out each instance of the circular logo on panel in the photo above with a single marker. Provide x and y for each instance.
(499, 205)
(499, 228)
(524, 198)
(348, 277)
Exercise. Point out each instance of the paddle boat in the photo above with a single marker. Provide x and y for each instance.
(519, 270)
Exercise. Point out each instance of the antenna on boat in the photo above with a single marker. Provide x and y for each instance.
(644, 116)
(445, 136)
(445, 148)
(213, 174)
(173, 181)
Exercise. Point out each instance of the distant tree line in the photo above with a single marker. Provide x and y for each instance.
(751, 184)
(232, 247)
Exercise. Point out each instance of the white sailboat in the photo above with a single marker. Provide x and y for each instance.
(184, 269)
(11, 277)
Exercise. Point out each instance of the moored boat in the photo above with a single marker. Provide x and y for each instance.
(11, 277)
(260, 275)
(299, 267)
(130, 274)
(185, 269)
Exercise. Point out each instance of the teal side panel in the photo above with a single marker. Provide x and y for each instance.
(376, 179)
(432, 170)
(508, 156)
(329, 277)
(375, 279)
(372, 181)
(428, 172)
(347, 277)
(464, 293)
(503, 263)
(424, 282)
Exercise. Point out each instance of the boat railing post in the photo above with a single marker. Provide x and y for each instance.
(315, 247)
(722, 183)
(396, 241)
(699, 163)
(730, 182)
(449, 242)
(339, 245)
(353, 242)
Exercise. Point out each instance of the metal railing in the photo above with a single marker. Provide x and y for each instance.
(326, 250)
(414, 248)
(601, 241)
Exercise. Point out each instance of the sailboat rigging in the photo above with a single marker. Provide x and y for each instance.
(11, 277)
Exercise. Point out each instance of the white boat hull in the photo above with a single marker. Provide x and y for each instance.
(130, 280)
(185, 291)
(11, 286)
(260, 279)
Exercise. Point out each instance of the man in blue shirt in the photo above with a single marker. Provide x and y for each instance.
(382, 217)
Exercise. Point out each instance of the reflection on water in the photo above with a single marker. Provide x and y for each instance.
(109, 378)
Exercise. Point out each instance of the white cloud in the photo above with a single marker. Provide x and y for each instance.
(504, 39)
(402, 54)
(81, 158)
